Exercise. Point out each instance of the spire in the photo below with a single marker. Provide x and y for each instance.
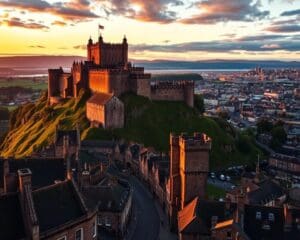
(90, 42)
(257, 166)
(100, 38)
(124, 39)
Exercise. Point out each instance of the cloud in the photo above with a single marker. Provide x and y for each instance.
(236, 45)
(291, 13)
(271, 46)
(17, 22)
(58, 23)
(214, 11)
(82, 47)
(37, 46)
(147, 11)
(283, 28)
(73, 10)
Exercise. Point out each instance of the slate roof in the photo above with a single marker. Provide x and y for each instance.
(44, 171)
(100, 98)
(98, 143)
(11, 222)
(60, 137)
(108, 196)
(267, 190)
(86, 157)
(196, 217)
(56, 205)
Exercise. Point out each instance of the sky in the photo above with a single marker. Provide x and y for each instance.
(155, 29)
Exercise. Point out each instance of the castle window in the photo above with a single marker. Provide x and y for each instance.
(258, 215)
(79, 234)
(271, 217)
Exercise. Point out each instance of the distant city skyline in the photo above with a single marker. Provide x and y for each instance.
(156, 29)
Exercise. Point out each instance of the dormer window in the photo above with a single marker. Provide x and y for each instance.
(271, 217)
(258, 215)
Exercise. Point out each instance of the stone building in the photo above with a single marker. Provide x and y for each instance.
(53, 212)
(105, 110)
(113, 199)
(107, 71)
(189, 167)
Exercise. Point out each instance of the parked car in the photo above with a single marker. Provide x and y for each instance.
(212, 175)
(222, 177)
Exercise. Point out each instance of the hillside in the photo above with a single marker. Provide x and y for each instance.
(148, 122)
(32, 126)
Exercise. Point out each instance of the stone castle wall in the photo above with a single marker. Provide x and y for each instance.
(173, 91)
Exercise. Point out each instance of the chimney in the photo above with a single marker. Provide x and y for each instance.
(67, 156)
(24, 179)
(214, 221)
(27, 204)
(9, 179)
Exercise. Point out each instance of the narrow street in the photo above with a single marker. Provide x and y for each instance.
(147, 219)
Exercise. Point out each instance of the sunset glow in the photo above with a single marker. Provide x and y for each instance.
(157, 29)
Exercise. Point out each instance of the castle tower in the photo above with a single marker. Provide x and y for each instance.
(189, 93)
(194, 166)
(108, 55)
(189, 168)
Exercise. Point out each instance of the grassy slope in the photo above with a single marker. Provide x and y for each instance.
(40, 123)
(150, 122)
(147, 122)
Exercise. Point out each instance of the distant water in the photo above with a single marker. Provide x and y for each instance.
(183, 71)
(42, 72)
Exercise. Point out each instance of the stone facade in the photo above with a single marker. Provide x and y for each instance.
(107, 111)
(189, 168)
(108, 71)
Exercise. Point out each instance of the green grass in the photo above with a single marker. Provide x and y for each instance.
(40, 123)
(150, 122)
(24, 82)
(214, 192)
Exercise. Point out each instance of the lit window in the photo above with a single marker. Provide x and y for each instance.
(62, 238)
(79, 234)
(258, 215)
(271, 217)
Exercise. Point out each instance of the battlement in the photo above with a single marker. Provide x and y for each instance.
(197, 141)
(171, 84)
(108, 55)
(174, 139)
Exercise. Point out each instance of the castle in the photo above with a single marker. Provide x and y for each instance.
(108, 74)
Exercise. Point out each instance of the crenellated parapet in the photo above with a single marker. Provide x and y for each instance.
(173, 91)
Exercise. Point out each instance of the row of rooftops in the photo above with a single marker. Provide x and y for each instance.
(286, 158)
(258, 222)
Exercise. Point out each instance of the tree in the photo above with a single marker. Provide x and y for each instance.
(278, 137)
(199, 103)
(264, 126)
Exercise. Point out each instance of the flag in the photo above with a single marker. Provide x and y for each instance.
(101, 27)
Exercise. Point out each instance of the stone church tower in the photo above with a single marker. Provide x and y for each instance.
(189, 169)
